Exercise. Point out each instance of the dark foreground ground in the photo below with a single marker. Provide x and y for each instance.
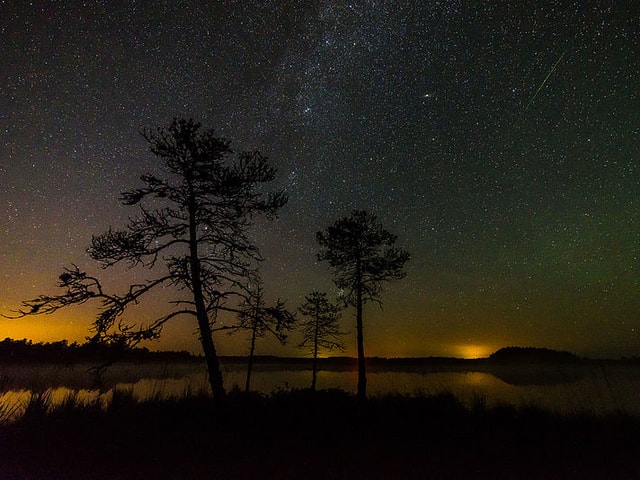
(326, 435)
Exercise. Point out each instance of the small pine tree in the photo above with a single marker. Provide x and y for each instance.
(320, 330)
(261, 319)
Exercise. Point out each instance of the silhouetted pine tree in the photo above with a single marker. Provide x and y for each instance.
(320, 330)
(361, 255)
(261, 319)
(191, 232)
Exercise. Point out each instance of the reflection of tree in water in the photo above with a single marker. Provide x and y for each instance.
(521, 375)
(535, 366)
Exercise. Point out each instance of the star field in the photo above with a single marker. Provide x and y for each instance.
(499, 141)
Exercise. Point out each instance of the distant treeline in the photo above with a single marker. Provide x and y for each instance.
(25, 351)
(532, 354)
(536, 355)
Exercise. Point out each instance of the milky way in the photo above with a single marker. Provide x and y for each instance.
(499, 140)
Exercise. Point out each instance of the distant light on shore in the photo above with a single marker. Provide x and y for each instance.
(473, 351)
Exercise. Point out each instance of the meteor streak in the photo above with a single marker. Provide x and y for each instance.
(544, 82)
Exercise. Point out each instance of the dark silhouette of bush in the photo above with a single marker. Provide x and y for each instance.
(315, 435)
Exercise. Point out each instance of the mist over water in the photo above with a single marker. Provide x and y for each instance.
(565, 389)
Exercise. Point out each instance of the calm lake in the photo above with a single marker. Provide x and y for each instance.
(590, 388)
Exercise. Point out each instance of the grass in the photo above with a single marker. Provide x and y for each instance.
(313, 435)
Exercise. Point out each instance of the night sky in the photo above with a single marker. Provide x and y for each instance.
(499, 140)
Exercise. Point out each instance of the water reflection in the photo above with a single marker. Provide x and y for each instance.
(590, 389)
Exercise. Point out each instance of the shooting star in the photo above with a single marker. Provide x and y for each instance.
(544, 82)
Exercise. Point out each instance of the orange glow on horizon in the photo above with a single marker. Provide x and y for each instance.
(43, 330)
(473, 351)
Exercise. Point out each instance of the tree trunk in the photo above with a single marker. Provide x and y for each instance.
(315, 355)
(314, 375)
(247, 385)
(362, 374)
(211, 359)
(206, 335)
